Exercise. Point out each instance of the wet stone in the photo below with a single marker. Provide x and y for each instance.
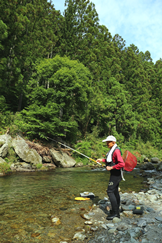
(110, 225)
(141, 223)
(122, 227)
(111, 231)
(158, 218)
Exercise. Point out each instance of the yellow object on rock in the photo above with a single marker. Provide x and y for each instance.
(82, 198)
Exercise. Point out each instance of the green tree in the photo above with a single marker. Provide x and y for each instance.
(3, 36)
(137, 81)
(33, 32)
(59, 92)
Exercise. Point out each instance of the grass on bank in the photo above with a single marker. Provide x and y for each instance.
(93, 147)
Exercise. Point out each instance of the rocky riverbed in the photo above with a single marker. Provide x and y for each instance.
(131, 227)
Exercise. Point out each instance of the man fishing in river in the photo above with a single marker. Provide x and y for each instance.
(114, 164)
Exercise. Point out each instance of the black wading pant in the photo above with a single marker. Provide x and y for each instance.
(112, 190)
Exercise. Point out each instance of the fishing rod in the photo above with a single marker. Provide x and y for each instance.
(74, 150)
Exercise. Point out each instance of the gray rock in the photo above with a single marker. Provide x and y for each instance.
(94, 228)
(155, 160)
(5, 139)
(110, 226)
(148, 166)
(25, 165)
(145, 159)
(135, 233)
(2, 161)
(128, 208)
(47, 159)
(122, 227)
(24, 152)
(111, 231)
(49, 165)
(61, 159)
(128, 202)
(144, 241)
(141, 223)
(80, 164)
(149, 220)
(79, 236)
(150, 209)
(4, 150)
(104, 226)
(116, 220)
(159, 167)
(12, 167)
(158, 218)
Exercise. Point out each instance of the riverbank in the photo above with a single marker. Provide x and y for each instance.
(131, 227)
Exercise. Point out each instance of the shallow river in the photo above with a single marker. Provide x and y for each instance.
(28, 200)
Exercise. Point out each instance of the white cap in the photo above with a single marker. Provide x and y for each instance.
(110, 138)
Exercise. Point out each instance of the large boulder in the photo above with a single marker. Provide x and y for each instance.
(4, 150)
(61, 159)
(27, 154)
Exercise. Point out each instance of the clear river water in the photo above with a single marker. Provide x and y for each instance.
(29, 200)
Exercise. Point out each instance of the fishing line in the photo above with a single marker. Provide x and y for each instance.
(73, 150)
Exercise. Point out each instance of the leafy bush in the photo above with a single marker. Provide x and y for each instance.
(4, 168)
(11, 156)
(38, 166)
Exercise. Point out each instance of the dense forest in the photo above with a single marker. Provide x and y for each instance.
(66, 75)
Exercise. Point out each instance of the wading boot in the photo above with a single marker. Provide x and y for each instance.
(110, 212)
(113, 215)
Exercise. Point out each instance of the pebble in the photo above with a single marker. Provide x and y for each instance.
(110, 225)
(104, 226)
(111, 231)
(142, 223)
(122, 227)
(88, 222)
(94, 228)
(116, 220)
(85, 216)
(79, 236)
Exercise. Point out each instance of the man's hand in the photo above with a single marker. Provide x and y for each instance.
(109, 167)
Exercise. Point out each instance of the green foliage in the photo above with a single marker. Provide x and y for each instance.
(38, 166)
(148, 150)
(58, 97)
(91, 146)
(11, 156)
(30, 30)
(7, 119)
(4, 168)
(70, 76)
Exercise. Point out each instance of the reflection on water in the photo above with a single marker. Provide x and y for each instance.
(28, 200)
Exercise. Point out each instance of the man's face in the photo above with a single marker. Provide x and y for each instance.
(110, 144)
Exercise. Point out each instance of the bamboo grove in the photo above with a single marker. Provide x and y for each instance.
(64, 75)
